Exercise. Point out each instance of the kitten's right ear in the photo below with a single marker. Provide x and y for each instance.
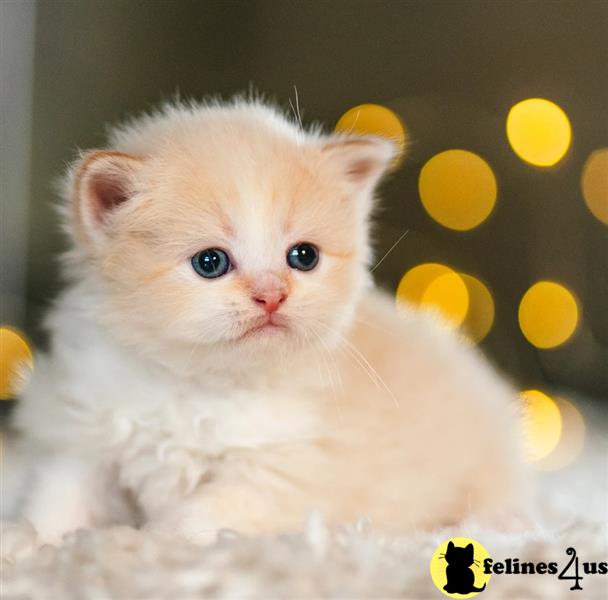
(361, 160)
(101, 182)
(450, 545)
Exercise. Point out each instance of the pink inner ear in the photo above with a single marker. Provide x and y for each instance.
(361, 168)
(362, 160)
(106, 193)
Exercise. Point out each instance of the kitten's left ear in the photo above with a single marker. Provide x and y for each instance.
(101, 182)
(362, 160)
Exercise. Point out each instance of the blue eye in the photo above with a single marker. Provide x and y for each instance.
(303, 257)
(211, 263)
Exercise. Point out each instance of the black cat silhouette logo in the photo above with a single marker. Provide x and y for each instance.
(461, 578)
(456, 568)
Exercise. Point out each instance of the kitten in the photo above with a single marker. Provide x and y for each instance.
(222, 359)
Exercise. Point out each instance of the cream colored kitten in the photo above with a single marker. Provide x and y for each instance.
(221, 358)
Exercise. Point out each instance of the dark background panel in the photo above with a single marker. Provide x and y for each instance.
(451, 70)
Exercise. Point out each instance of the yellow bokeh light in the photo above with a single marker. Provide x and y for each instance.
(435, 287)
(449, 296)
(415, 282)
(14, 353)
(373, 119)
(539, 131)
(572, 439)
(594, 182)
(548, 314)
(457, 189)
(542, 424)
(480, 316)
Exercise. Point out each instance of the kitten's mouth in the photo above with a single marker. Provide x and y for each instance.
(272, 324)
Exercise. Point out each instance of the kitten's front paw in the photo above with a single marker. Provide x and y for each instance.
(192, 529)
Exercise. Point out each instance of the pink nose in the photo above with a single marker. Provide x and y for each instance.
(269, 301)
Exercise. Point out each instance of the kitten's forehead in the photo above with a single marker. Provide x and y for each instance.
(247, 139)
(235, 152)
(240, 185)
(241, 177)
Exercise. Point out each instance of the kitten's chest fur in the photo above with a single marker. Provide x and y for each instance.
(180, 433)
(216, 420)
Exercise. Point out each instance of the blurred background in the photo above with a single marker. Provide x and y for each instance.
(503, 188)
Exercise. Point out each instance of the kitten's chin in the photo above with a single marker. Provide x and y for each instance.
(276, 340)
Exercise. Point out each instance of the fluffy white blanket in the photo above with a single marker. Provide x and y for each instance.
(349, 562)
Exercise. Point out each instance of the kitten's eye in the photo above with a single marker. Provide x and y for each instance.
(303, 257)
(211, 263)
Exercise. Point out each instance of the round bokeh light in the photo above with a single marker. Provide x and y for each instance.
(571, 441)
(480, 316)
(448, 295)
(457, 189)
(15, 353)
(594, 182)
(548, 314)
(539, 131)
(373, 119)
(542, 424)
(435, 287)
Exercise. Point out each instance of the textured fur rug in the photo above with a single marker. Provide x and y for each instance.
(347, 563)
(350, 563)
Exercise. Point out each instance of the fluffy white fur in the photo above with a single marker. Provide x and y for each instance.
(159, 404)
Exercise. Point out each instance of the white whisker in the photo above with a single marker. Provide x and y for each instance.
(358, 356)
(325, 352)
(389, 250)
